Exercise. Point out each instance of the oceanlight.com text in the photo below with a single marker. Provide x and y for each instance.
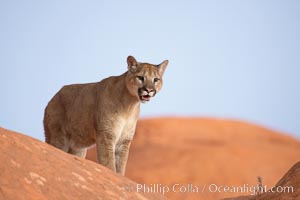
(211, 188)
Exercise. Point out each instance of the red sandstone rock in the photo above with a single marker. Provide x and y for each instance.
(207, 151)
(33, 170)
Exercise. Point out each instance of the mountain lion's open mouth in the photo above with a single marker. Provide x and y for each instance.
(145, 97)
(146, 94)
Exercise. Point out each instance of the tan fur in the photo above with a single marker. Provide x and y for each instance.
(104, 113)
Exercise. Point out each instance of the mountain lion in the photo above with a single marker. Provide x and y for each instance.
(104, 113)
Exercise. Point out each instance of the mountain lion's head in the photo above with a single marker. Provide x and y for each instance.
(144, 80)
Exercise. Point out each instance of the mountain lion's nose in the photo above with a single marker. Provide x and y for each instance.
(149, 90)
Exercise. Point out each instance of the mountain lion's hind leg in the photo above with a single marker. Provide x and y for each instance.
(78, 152)
(59, 141)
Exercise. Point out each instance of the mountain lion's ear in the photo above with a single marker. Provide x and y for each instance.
(162, 67)
(132, 64)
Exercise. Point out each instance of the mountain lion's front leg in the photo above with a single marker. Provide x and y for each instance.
(122, 152)
(105, 144)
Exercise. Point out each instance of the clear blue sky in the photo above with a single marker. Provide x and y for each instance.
(228, 59)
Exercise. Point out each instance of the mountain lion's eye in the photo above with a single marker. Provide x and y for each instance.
(141, 78)
(156, 80)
